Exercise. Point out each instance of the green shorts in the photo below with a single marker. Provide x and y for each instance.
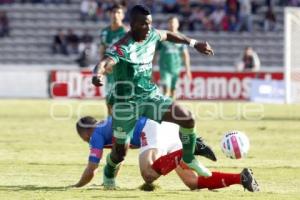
(109, 98)
(169, 79)
(108, 88)
(125, 114)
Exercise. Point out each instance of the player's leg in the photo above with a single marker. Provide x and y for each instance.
(217, 180)
(165, 81)
(161, 108)
(109, 108)
(123, 124)
(188, 177)
(113, 163)
(109, 103)
(146, 160)
(150, 150)
(173, 85)
(178, 115)
(109, 95)
(170, 143)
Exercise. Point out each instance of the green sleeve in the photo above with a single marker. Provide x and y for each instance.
(158, 46)
(103, 38)
(157, 35)
(112, 53)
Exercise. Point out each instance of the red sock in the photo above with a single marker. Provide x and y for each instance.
(218, 180)
(165, 164)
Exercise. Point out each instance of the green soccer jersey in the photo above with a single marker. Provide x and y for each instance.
(170, 56)
(108, 37)
(133, 71)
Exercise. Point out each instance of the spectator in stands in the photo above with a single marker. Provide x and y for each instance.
(102, 8)
(86, 38)
(255, 5)
(88, 9)
(229, 22)
(294, 3)
(6, 1)
(72, 41)
(151, 5)
(59, 45)
(232, 7)
(170, 6)
(4, 24)
(217, 17)
(245, 16)
(87, 49)
(270, 20)
(195, 20)
(248, 61)
(207, 22)
(186, 13)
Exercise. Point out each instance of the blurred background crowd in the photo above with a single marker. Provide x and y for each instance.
(215, 15)
(66, 27)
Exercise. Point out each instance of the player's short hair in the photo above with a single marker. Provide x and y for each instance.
(116, 6)
(139, 10)
(84, 123)
(172, 17)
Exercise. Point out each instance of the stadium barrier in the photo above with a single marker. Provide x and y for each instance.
(204, 85)
(63, 82)
(21, 84)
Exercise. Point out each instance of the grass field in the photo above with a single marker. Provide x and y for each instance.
(40, 153)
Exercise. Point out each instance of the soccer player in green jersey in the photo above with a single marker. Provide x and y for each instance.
(171, 56)
(134, 93)
(110, 35)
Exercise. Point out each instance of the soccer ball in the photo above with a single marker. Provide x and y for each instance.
(235, 144)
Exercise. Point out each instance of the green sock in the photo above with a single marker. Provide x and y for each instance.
(110, 168)
(188, 139)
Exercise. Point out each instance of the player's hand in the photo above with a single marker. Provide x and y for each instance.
(204, 48)
(97, 80)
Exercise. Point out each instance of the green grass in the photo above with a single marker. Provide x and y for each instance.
(40, 155)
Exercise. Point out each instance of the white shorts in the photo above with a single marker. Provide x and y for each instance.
(164, 137)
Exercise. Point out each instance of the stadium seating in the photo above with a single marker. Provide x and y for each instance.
(34, 25)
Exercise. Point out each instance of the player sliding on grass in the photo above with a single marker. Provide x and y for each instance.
(134, 94)
(160, 153)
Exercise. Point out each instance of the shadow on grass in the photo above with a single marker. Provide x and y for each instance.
(116, 197)
(31, 188)
(55, 188)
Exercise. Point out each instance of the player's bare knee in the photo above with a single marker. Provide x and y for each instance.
(187, 118)
(190, 123)
(192, 186)
(149, 177)
(190, 183)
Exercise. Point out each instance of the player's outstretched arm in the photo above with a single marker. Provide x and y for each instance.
(201, 47)
(87, 175)
(103, 67)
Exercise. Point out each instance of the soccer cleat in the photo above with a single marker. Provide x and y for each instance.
(204, 150)
(198, 168)
(109, 183)
(248, 181)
